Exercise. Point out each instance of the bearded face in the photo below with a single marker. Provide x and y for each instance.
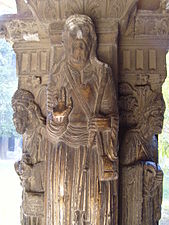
(79, 52)
(20, 118)
(78, 46)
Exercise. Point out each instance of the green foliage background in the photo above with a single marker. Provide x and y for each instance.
(164, 151)
(8, 85)
(164, 137)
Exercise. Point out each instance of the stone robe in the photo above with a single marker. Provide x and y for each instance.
(76, 191)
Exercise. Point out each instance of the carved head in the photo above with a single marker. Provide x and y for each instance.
(26, 112)
(128, 106)
(141, 108)
(79, 39)
(152, 115)
(150, 172)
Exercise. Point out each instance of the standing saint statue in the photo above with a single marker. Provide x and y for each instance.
(82, 125)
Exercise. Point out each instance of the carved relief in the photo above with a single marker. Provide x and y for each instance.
(152, 24)
(152, 191)
(147, 110)
(131, 205)
(82, 124)
(144, 181)
(89, 7)
(33, 65)
(85, 177)
(142, 73)
(54, 9)
(29, 122)
(21, 30)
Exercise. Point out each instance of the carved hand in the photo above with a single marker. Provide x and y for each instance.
(62, 108)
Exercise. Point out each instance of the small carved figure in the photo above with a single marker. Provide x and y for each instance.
(144, 180)
(29, 122)
(31, 168)
(82, 124)
(152, 193)
(139, 155)
(140, 143)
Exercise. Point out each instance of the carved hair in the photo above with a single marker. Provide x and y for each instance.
(136, 108)
(154, 102)
(26, 99)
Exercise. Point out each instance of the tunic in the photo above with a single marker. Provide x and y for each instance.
(75, 194)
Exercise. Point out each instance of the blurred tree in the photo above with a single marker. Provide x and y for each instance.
(164, 137)
(8, 85)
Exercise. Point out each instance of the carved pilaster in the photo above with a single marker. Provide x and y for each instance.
(142, 73)
(33, 64)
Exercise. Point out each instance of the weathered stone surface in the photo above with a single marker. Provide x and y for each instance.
(143, 206)
(141, 137)
(141, 106)
(82, 124)
(149, 5)
(132, 37)
(31, 168)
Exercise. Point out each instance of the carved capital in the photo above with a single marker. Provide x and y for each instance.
(152, 24)
(57, 10)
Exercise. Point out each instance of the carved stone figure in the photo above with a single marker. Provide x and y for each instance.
(82, 124)
(31, 168)
(140, 143)
(28, 120)
(144, 180)
(152, 192)
(139, 157)
(81, 160)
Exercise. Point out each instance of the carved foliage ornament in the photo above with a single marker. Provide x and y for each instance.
(136, 104)
(61, 9)
(143, 113)
(152, 24)
(19, 30)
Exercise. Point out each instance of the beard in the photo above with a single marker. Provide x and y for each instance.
(20, 126)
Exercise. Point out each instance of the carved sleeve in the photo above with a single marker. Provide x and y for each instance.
(109, 108)
(109, 99)
(54, 130)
